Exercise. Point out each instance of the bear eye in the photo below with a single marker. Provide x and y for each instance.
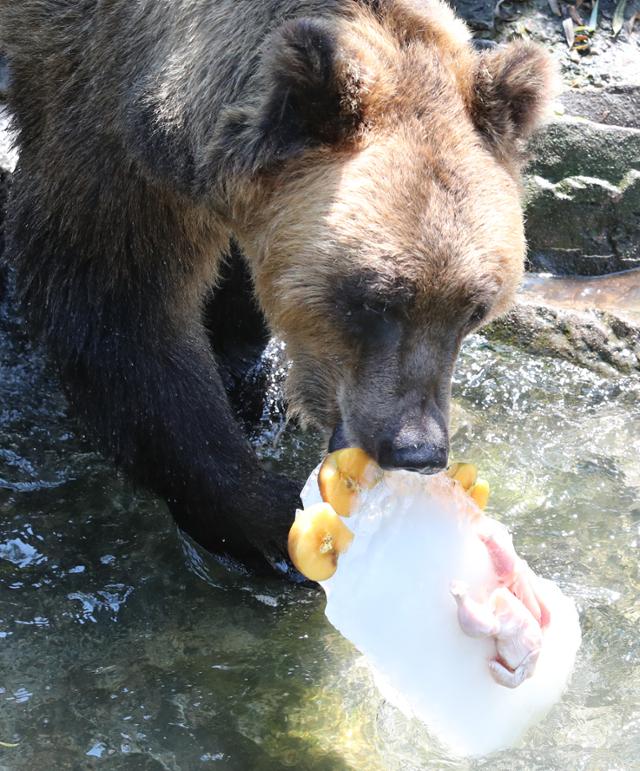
(371, 321)
(375, 309)
(372, 309)
(478, 316)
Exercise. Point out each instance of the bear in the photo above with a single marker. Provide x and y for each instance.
(359, 160)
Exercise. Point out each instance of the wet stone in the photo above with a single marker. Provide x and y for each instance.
(619, 293)
(597, 340)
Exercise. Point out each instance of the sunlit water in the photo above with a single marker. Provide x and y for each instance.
(121, 647)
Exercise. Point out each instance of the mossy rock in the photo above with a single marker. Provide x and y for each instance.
(598, 340)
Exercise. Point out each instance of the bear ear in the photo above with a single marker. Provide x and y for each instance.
(513, 87)
(314, 93)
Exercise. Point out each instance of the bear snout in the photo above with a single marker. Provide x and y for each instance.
(421, 445)
(426, 457)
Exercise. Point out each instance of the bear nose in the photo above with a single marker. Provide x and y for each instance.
(426, 457)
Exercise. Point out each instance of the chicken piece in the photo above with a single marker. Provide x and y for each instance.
(514, 614)
(512, 571)
(504, 617)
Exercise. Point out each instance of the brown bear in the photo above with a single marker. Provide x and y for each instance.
(363, 156)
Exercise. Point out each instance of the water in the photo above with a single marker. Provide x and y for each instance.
(123, 647)
(618, 292)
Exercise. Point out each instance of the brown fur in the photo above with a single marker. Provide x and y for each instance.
(363, 155)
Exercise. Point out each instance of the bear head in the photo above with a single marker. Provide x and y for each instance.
(382, 215)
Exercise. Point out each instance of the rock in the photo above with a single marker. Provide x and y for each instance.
(583, 194)
(615, 106)
(605, 339)
(583, 225)
(478, 14)
(570, 147)
(582, 160)
(598, 340)
(612, 63)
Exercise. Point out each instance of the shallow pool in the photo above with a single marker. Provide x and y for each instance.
(123, 647)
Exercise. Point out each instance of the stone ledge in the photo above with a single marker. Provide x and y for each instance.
(570, 146)
(618, 105)
(583, 225)
(599, 340)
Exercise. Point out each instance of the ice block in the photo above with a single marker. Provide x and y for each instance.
(423, 592)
